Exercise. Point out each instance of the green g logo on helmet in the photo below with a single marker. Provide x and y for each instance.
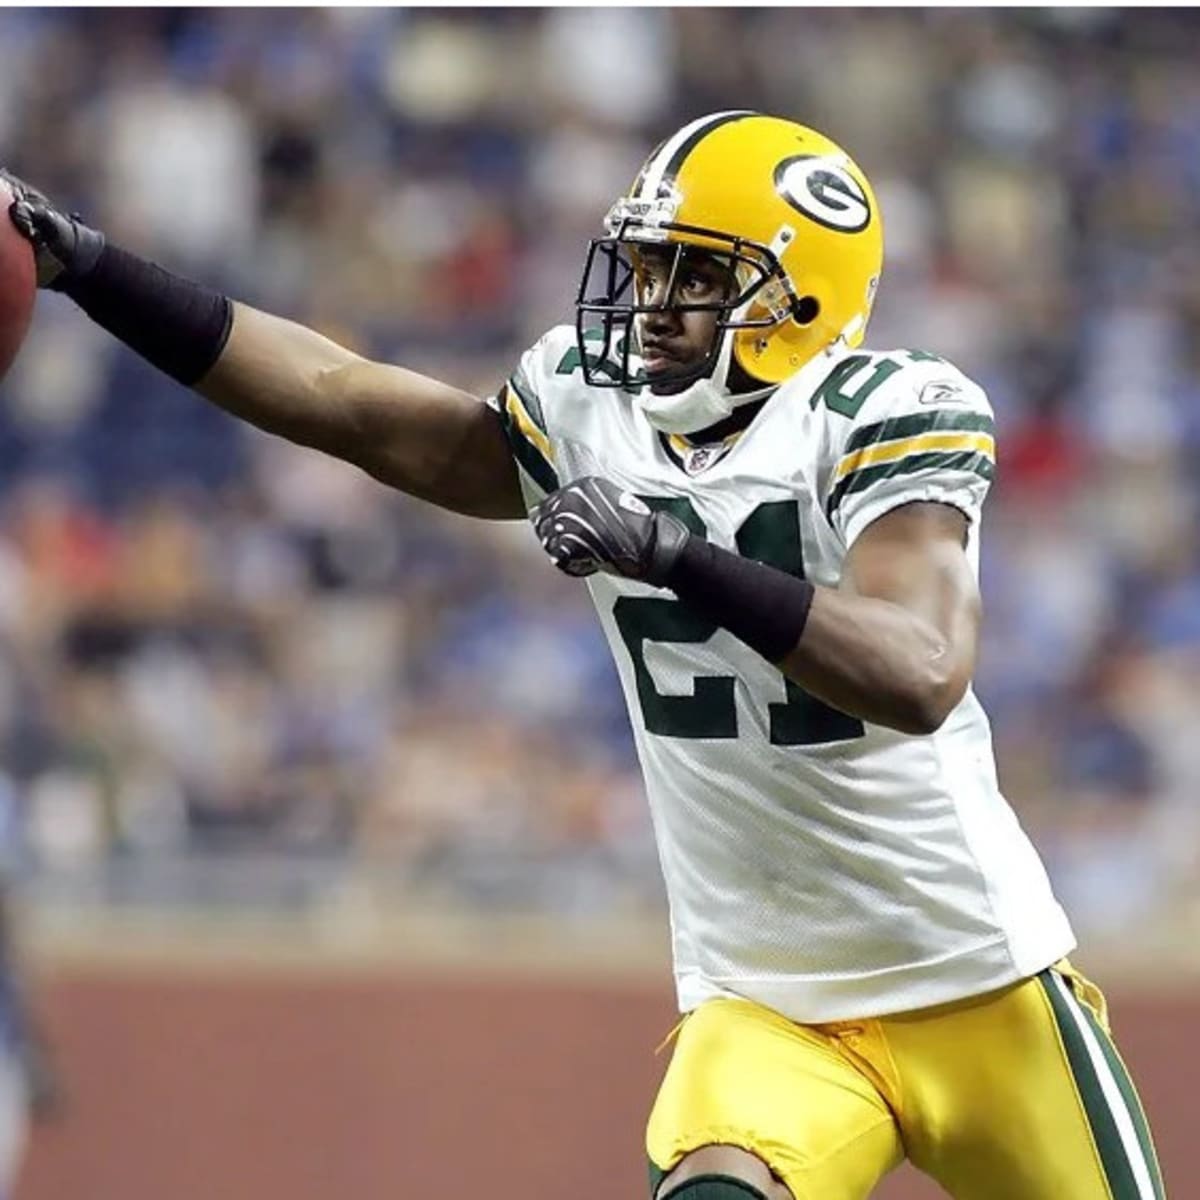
(823, 190)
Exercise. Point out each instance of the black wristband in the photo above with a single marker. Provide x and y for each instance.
(179, 326)
(763, 607)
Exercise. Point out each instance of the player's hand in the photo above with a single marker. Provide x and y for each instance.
(592, 525)
(64, 247)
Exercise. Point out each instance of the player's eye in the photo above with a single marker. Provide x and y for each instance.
(652, 280)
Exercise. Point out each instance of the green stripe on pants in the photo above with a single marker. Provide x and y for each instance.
(1132, 1102)
(1125, 1170)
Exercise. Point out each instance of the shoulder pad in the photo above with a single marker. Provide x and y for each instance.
(907, 426)
(525, 405)
(871, 382)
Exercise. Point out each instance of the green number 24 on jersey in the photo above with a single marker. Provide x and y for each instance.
(770, 534)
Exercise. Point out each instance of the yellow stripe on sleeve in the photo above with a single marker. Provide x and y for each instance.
(982, 443)
(525, 424)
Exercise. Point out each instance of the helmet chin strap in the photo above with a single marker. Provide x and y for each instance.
(702, 403)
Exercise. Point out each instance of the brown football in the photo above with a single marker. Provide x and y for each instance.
(18, 284)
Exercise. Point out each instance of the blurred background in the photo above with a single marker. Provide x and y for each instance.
(286, 756)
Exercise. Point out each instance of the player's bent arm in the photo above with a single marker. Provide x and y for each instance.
(411, 432)
(896, 643)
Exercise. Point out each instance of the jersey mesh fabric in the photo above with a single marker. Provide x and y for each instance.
(827, 869)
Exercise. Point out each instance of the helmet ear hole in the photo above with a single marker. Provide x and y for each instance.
(806, 310)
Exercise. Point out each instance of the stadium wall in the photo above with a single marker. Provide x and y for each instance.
(266, 1077)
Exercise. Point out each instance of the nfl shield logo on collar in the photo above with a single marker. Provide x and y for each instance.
(700, 458)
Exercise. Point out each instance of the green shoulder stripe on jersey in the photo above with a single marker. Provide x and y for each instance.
(527, 454)
(1129, 1166)
(961, 460)
(937, 420)
(528, 397)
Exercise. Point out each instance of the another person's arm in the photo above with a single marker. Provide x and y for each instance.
(45, 1091)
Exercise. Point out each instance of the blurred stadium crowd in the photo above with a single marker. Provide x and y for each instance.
(220, 648)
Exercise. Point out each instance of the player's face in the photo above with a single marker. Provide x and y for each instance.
(673, 339)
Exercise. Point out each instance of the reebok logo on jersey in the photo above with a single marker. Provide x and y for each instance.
(630, 503)
(941, 391)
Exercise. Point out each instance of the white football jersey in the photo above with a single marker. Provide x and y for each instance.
(824, 867)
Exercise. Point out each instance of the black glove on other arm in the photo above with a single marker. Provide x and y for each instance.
(592, 525)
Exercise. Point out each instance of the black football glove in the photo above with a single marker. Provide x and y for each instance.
(65, 248)
(592, 525)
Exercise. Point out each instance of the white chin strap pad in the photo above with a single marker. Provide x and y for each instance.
(697, 406)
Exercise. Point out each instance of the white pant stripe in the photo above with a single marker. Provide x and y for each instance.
(1112, 1092)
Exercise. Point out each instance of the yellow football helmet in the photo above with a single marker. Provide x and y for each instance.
(783, 205)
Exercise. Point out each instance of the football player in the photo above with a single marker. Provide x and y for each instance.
(780, 531)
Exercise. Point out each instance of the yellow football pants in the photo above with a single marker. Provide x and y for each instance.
(1015, 1095)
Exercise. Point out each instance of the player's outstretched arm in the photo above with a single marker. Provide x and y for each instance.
(894, 645)
(411, 432)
